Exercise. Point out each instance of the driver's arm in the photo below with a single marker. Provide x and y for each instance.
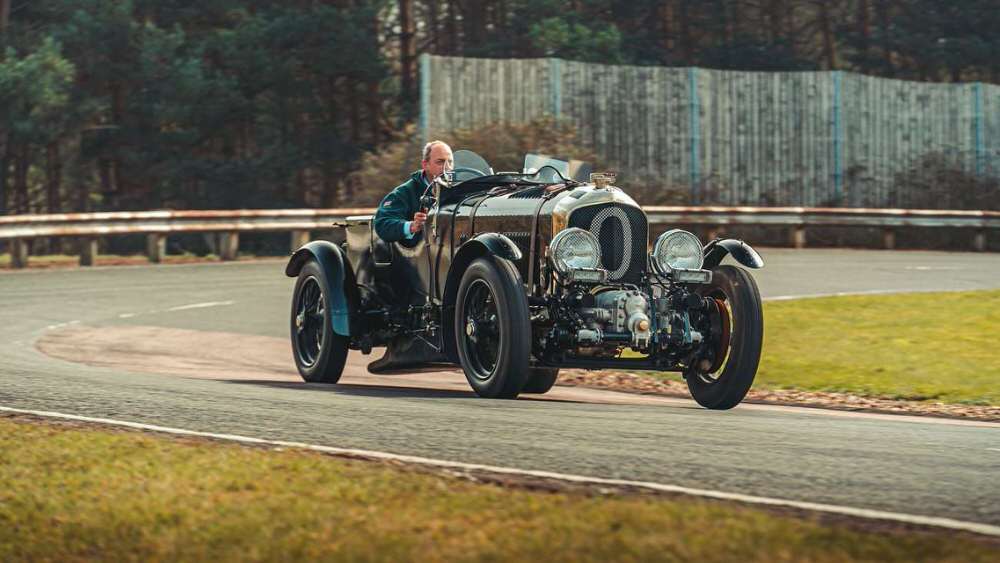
(394, 213)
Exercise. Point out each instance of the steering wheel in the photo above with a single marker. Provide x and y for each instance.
(478, 173)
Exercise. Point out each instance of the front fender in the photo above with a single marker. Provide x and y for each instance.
(331, 260)
(742, 252)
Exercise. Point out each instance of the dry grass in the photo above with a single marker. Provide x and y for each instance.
(74, 494)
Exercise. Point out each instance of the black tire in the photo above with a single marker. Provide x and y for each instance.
(319, 352)
(541, 380)
(492, 328)
(725, 386)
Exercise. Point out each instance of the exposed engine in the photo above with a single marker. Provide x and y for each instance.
(602, 322)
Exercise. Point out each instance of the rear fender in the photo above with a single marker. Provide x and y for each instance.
(332, 261)
(742, 252)
(485, 244)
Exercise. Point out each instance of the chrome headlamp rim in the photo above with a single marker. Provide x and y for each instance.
(566, 234)
(659, 247)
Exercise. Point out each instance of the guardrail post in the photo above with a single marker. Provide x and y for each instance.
(979, 241)
(156, 247)
(18, 253)
(889, 239)
(299, 238)
(229, 245)
(88, 251)
(798, 238)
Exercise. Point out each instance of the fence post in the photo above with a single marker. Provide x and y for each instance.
(695, 124)
(18, 253)
(837, 139)
(977, 112)
(229, 246)
(88, 251)
(299, 238)
(889, 239)
(798, 238)
(156, 247)
(555, 86)
(425, 96)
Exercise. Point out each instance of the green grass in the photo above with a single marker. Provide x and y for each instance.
(922, 347)
(71, 494)
(937, 347)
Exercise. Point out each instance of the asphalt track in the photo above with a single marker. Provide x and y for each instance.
(220, 329)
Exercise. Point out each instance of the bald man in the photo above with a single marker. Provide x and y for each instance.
(399, 216)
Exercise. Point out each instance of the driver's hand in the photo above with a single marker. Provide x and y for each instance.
(417, 224)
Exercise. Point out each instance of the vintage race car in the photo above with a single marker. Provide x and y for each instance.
(518, 274)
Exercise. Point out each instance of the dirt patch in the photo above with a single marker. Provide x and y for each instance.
(633, 383)
(222, 355)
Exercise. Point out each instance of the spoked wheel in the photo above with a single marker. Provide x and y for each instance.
(722, 376)
(320, 353)
(492, 328)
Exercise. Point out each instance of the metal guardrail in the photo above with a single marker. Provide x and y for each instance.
(18, 230)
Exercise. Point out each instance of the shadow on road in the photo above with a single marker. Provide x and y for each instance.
(387, 391)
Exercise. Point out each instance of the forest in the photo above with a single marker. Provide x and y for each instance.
(110, 105)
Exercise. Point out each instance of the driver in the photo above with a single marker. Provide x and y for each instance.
(399, 215)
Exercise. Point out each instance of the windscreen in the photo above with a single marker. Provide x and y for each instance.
(551, 169)
(470, 165)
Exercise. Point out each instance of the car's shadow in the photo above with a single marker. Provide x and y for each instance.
(367, 390)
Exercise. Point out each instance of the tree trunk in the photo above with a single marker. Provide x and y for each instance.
(452, 27)
(406, 54)
(4, 168)
(686, 39)
(53, 177)
(432, 25)
(21, 165)
(864, 32)
(826, 28)
(669, 41)
(883, 16)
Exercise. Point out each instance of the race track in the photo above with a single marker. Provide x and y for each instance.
(204, 347)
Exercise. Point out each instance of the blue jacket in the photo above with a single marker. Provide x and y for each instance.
(397, 208)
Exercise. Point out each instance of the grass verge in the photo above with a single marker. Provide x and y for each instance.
(931, 347)
(73, 493)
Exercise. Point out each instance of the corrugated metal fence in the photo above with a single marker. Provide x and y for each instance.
(740, 138)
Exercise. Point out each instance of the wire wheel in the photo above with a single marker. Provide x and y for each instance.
(482, 339)
(492, 330)
(320, 353)
(722, 376)
(310, 325)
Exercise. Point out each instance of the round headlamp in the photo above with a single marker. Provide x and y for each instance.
(677, 249)
(573, 249)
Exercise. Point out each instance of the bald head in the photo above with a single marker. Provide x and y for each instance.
(437, 158)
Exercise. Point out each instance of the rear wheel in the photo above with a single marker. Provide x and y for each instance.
(541, 380)
(723, 375)
(492, 328)
(320, 353)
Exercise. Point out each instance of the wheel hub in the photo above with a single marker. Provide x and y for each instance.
(470, 328)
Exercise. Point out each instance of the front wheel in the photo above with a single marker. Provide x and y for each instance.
(722, 376)
(541, 380)
(320, 353)
(492, 328)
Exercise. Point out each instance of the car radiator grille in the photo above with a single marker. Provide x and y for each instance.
(623, 234)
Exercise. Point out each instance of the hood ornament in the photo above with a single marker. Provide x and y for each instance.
(602, 180)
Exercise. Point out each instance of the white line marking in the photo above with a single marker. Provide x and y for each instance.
(60, 325)
(126, 315)
(201, 305)
(850, 293)
(993, 449)
(975, 527)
